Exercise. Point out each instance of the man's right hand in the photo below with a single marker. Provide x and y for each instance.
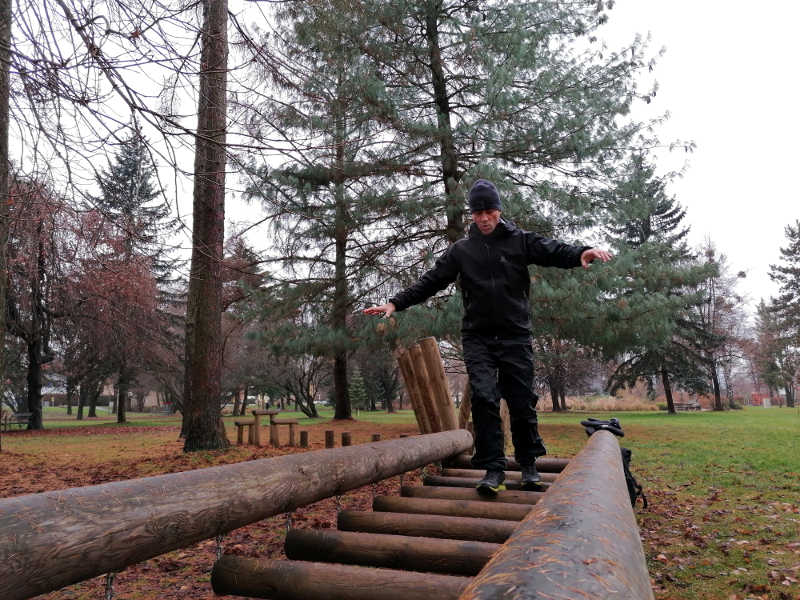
(387, 310)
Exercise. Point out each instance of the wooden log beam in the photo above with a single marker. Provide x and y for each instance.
(581, 541)
(545, 464)
(292, 580)
(471, 482)
(493, 531)
(441, 394)
(506, 511)
(425, 386)
(453, 493)
(57, 538)
(458, 508)
(453, 557)
(414, 394)
(510, 475)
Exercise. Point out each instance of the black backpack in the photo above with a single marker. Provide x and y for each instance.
(635, 490)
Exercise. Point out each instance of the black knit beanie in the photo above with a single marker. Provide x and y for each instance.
(483, 196)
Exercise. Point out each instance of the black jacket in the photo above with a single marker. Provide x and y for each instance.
(495, 283)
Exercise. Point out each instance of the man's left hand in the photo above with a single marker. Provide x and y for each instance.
(594, 254)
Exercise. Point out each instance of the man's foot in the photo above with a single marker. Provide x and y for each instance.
(491, 482)
(531, 478)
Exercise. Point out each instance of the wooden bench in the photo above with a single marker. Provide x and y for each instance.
(240, 425)
(20, 419)
(687, 405)
(257, 414)
(273, 430)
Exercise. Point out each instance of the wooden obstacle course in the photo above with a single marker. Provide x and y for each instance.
(582, 529)
(429, 538)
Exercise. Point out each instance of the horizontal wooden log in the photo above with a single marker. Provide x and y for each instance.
(453, 493)
(293, 580)
(457, 508)
(469, 482)
(510, 475)
(493, 531)
(57, 538)
(453, 557)
(544, 464)
(582, 537)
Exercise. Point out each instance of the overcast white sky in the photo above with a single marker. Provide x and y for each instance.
(729, 80)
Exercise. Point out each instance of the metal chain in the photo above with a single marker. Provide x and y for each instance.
(218, 549)
(289, 522)
(110, 586)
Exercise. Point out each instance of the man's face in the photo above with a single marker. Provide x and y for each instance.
(486, 220)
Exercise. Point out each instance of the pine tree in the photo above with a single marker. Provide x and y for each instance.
(785, 325)
(358, 391)
(140, 221)
(646, 228)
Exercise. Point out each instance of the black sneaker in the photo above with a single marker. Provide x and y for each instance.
(491, 482)
(531, 478)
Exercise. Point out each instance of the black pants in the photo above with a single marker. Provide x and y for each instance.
(502, 369)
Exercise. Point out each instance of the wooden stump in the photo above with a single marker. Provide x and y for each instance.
(346, 440)
(304, 439)
(329, 441)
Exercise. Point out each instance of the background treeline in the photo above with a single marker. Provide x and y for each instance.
(354, 128)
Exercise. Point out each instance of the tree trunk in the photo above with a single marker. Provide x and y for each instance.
(554, 397)
(789, 389)
(237, 402)
(94, 395)
(70, 394)
(563, 396)
(201, 407)
(34, 379)
(5, 62)
(667, 391)
(341, 391)
(717, 393)
(123, 387)
(82, 395)
(450, 177)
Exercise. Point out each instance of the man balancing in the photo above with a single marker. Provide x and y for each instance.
(492, 265)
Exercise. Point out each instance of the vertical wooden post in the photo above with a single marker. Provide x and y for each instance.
(426, 388)
(292, 427)
(273, 435)
(404, 362)
(436, 374)
(256, 428)
(329, 442)
(304, 439)
(346, 440)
